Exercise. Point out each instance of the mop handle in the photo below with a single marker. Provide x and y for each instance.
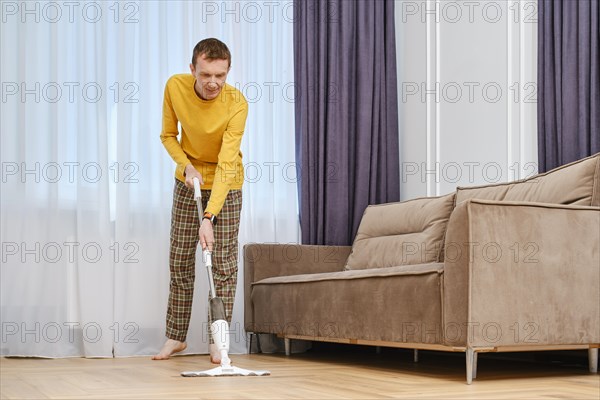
(198, 198)
(206, 255)
(197, 191)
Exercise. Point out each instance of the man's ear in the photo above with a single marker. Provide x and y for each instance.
(192, 69)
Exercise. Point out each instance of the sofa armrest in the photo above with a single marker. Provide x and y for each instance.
(265, 260)
(521, 274)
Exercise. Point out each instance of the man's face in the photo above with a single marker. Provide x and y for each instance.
(210, 76)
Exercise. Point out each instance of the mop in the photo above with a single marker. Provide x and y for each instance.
(219, 328)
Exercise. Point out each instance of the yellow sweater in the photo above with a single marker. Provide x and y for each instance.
(211, 134)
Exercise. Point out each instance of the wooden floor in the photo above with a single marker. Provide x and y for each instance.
(349, 373)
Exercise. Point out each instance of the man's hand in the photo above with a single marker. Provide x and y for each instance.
(207, 237)
(191, 173)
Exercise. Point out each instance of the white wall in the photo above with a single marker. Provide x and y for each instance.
(467, 93)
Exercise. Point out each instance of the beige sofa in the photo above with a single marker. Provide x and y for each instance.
(497, 268)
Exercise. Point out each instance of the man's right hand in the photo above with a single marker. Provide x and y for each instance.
(190, 174)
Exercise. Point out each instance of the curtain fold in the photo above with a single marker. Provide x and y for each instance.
(346, 114)
(568, 81)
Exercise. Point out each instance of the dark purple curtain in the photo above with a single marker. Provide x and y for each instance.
(568, 81)
(346, 114)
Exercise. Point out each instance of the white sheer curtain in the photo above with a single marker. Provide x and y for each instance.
(86, 184)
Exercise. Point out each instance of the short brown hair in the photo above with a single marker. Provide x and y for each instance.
(213, 48)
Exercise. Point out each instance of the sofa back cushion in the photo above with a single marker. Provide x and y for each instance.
(405, 233)
(574, 183)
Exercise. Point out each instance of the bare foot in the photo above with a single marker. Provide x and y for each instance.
(215, 354)
(169, 348)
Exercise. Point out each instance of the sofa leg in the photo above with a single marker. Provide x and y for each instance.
(288, 346)
(249, 340)
(593, 359)
(416, 355)
(258, 348)
(471, 356)
(251, 336)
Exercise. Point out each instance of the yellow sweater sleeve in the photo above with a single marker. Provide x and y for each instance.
(168, 135)
(226, 171)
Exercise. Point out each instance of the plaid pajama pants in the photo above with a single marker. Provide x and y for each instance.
(184, 239)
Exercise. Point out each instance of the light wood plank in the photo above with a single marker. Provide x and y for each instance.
(327, 375)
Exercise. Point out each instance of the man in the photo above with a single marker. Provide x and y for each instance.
(212, 115)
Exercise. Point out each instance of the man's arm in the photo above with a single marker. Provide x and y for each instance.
(168, 135)
(226, 164)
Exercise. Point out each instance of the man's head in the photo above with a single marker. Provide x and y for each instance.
(211, 61)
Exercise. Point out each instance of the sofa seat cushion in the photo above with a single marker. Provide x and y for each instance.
(358, 274)
(574, 183)
(405, 233)
(397, 304)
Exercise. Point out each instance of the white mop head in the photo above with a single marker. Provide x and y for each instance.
(225, 371)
